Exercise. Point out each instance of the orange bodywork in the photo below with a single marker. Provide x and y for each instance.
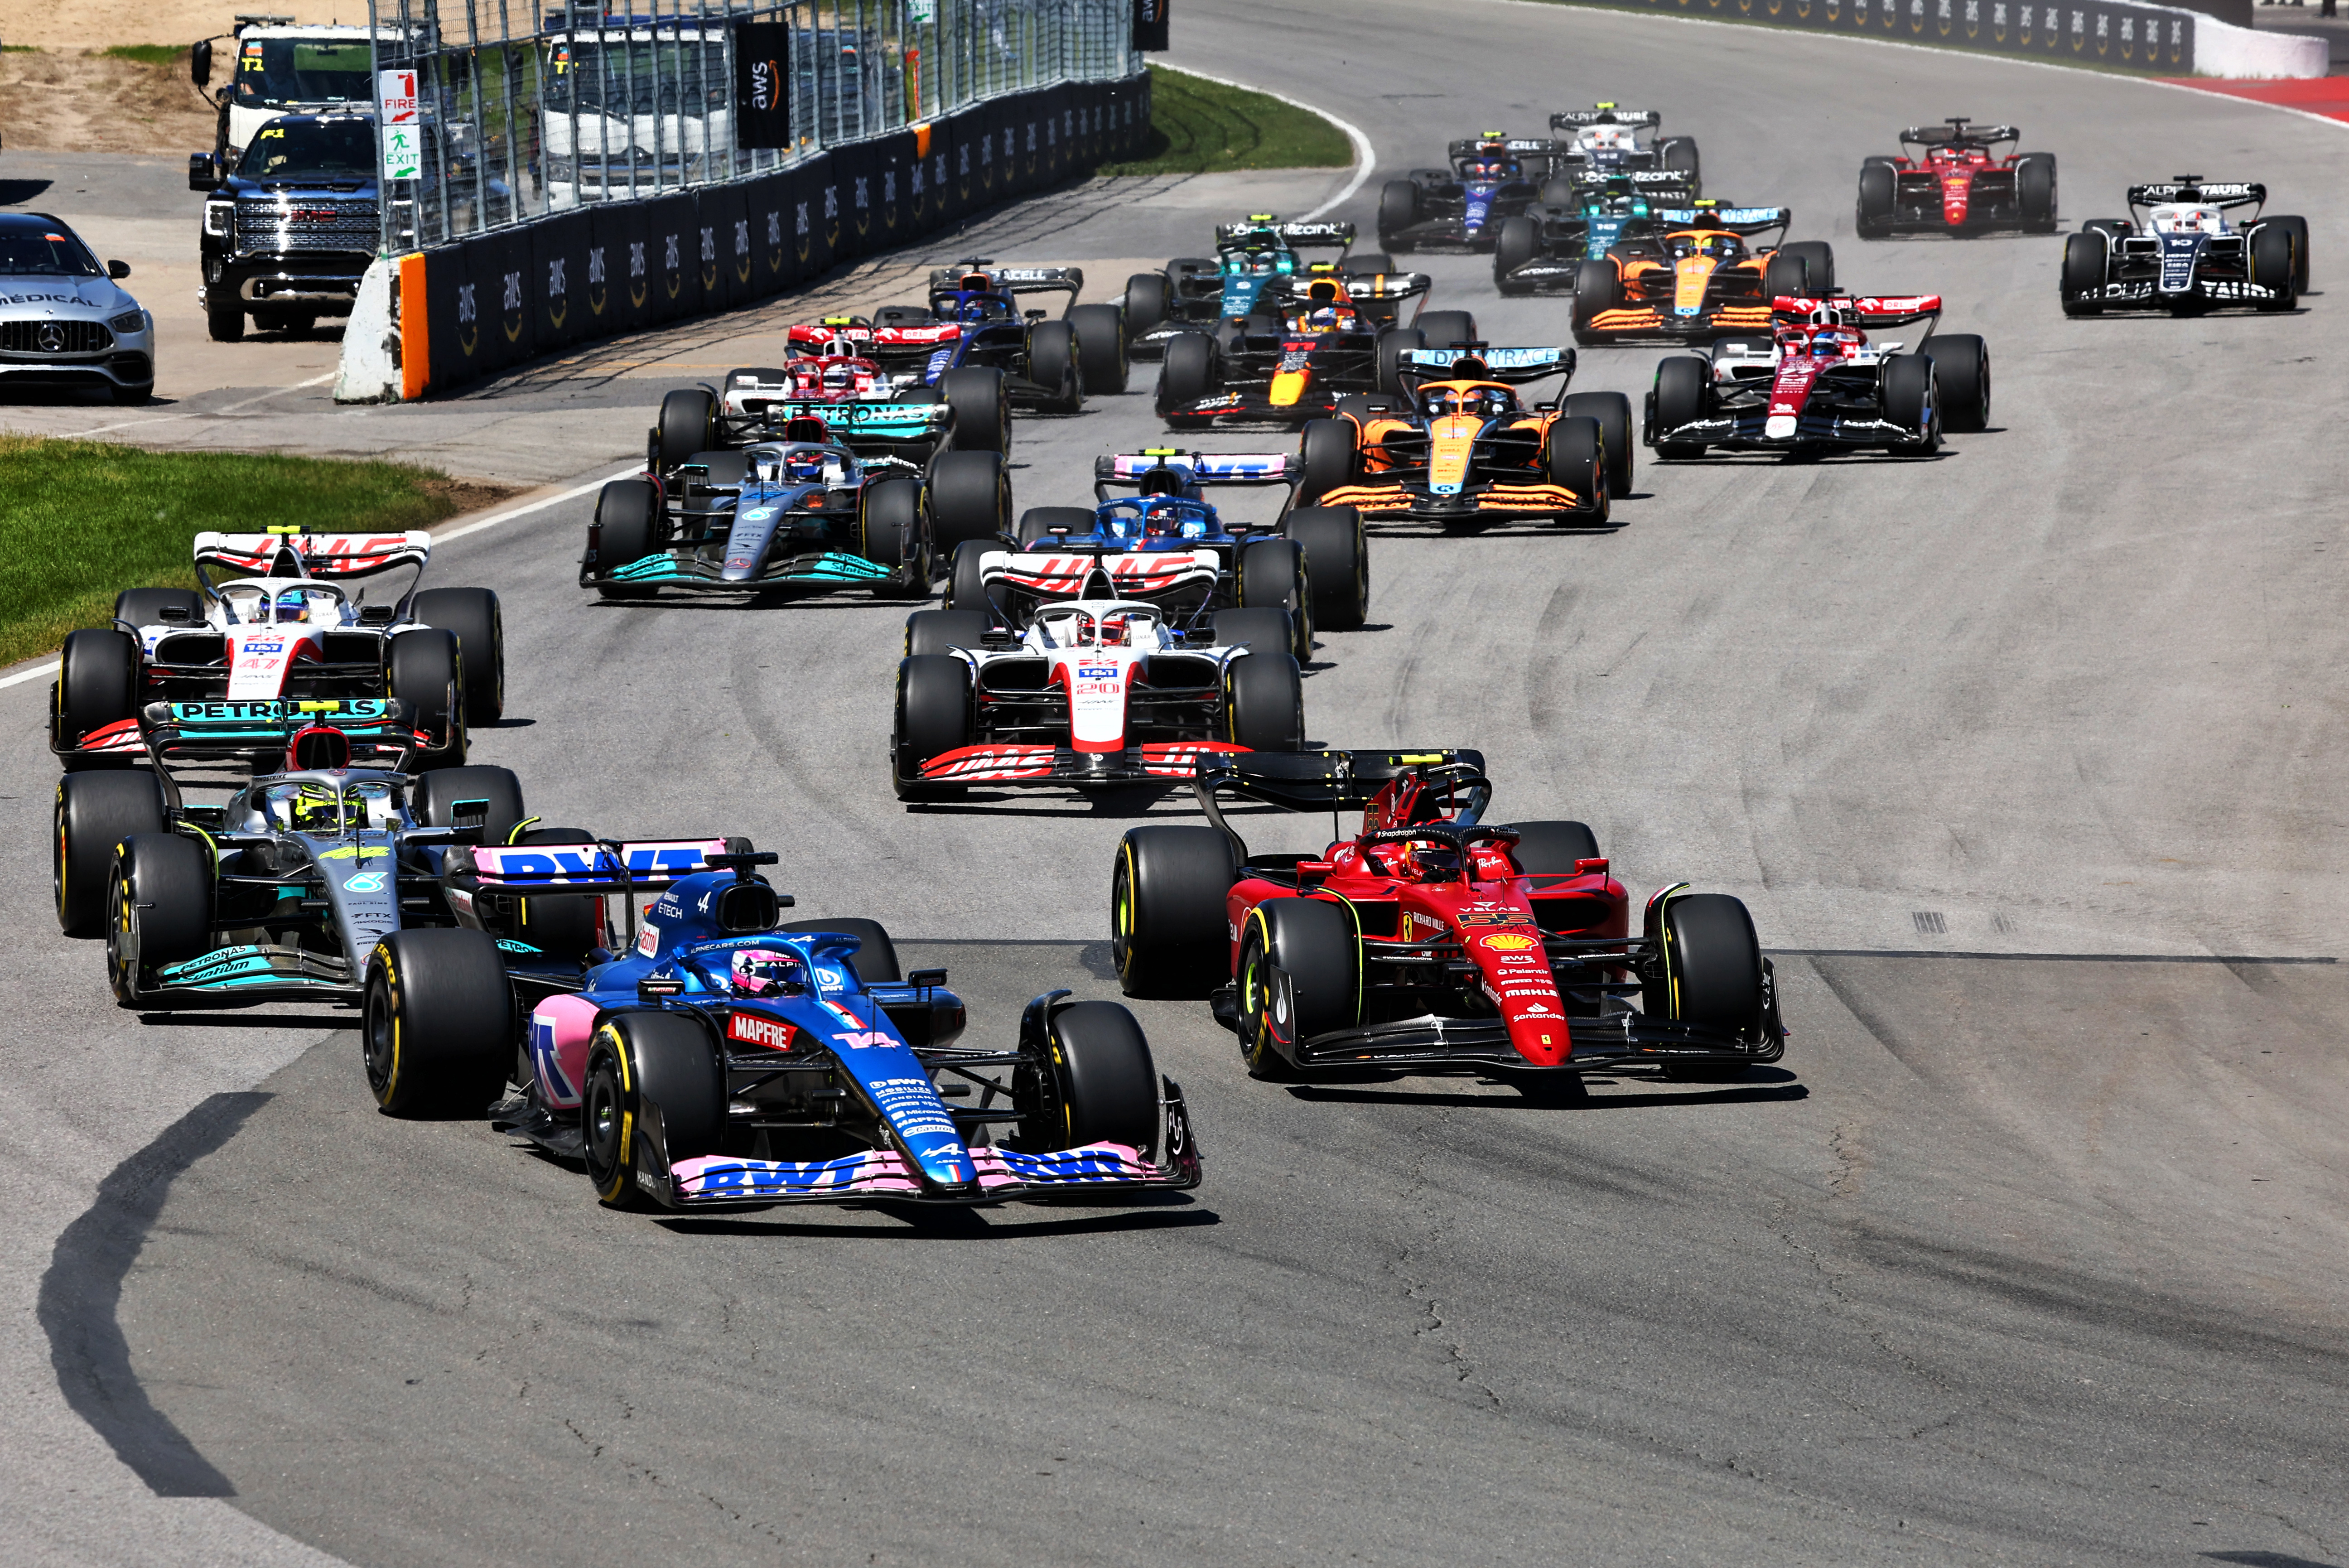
(1408, 486)
(1659, 295)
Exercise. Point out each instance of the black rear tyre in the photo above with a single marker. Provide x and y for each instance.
(1313, 942)
(1962, 376)
(941, 631)
(1188, 372)
(1910, 399)
(568, 927)
(447, 797)
(969, 498)
(97, 682)
(1168, 935)
(2273, 266)
(934, 717)
(1873, 214)
(688, 424)
(1366, 263)
(1447, 328)
(2084, 259)
(1272, 576)
(1337, 562)
(1547, 850)
(472, 616)
(1576, 458)
(1818, 263)
(1053, 364)
(1398, 211)
(145, 606)
(1613, 412)
(1330, 456)
(2035, 191)
(896, 535)
(649, 1061)
(982, 413)
(438, 1023)
(1146, 303)
(1786, 275)
(1392, 345)
(1598, 288)
(1683, 395)
(2298, 229)
(966, 580)
(425, 669)
(1264, 631)
(1100, 347)
(1035, 524)
(1516, 243)
(1264, 698)
(95, 812)
(876, 955)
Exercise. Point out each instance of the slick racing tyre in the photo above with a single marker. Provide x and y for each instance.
(2273, 266)
(1168, 935)
(2085, 254)
(1908, 393)
(2298, 229)
(1546, 851)
(98, 685)
(1146, 303)
(628, 520)
(934, 717)
(1100, 347)
(1818, 263)
(1090, 1080)
(1366, 263)
(688, 424)
(1785, 274)
(2035, 191)
(1262, 630)
(437, 1029)
(1711, 974)
(1962, 374)
(1189, 371)
(646, 1061)
(1053, 364)
(942, 631)
(424, 669)
(1036, 524)
(1683, 395)
(1447, 328)
(1873, 215)
(1312, 943)
(1576, 458)
(1598, 288)
(1329, 455)
(1613, 412)
(902, 315)
(969, 498)
(1264, 703)
(96, 812)
(967, 578)
(1272, 576)
(145, 606)
(1392, 345)
(1518, 243)
(894, 533)
(1679, 155)
(451, 797)
(159, 910)
(876, 955)
(1337, 563)
(721, 468)
(569, 927)
(473, 616)
(1398, 211)
(982, 413)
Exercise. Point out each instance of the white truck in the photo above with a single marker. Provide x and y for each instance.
(279, 67)
(635, 109)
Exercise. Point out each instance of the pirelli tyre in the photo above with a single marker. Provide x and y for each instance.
(2035, 191)
(1168, 931)
(437, 1027)
(1576, 458)
(1872, 217)
(627, 529)
(96, 812)
(942, 631)
(894, 531)
(1613, 412)
(1683, 395)
(1366, 263)
(1337, 563)
(902, 315)
(1784, 274)
(1398, 211)
(1264, 631)
(1710, 974)
(1147, 299)
(1272, 576)
(489, 797)
(1598, 288)
(982, 413)
(688, 424)
(1547, 851)
(720, 469)
(1053, 364)
(1100, 347)
(145, 606)
(1264, 703)
(1679, 155)
(1035, 524)
(969, 496)
(1330, 454)
(934, 717)
(568, 927)
(1962, 376)
(2298, 229)
(1089, 1080)
(2272, 266)
(478, 625)
(966, 577)
(425, 669)
(159, 910)
(1190, 369)
(648, 1071)
(1299, 975)
(1391, 346)
(876, 955)
(1817, 257)
(2086, 256)
(1518, 243)
(1447, 328)
(98, 685)
(1907, 390)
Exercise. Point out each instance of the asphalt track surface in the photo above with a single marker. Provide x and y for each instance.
(2031, 1253)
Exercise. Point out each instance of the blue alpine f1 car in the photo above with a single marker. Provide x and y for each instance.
(723, 1059)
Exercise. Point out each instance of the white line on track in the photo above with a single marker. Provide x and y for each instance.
(200, 413)
(48, 665)
(1365, 161)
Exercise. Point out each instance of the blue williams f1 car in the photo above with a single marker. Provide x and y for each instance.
(1492, 178)
(723, 1059)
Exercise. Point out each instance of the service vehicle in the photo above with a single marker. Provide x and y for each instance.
(1249, 274)
(1609, 140)
(636, 106)
(1700, 279)
(65, 321)
(712, 1056)
(2179, 251)
(1491, 178)
(1956, 177)
(290, 231)
(1818, 384)
(279, 66)
(1462, 447)
(280, 627)
(1429, 940)
(1285, 369)
(1542, 249)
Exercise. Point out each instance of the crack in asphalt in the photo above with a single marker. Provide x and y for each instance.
(1416, 1289)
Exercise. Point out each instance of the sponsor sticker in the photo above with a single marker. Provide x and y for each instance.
(1495, 918)
(648, 940)
(769, 1033)
(1507, 942)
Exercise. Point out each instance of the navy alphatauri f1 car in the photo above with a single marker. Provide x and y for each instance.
(2179, 251)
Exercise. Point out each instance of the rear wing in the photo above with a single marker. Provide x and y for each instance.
(1873, 310)
(1124, 471)
(382, 729)
(1357, 286)
(1476, 363)
(1736, 220)
(1298, 236)
(833, 335)
(606, 866)
(1323, 780)
(2214, 193)
(1068, 280)
(1516, 146)
(1605, 114)
(1958, 129)
(291, 552)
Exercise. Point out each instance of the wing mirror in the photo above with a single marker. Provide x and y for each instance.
(200, 63)
(1590, 867)
(116, 269)
(201, 173)
(175, 615)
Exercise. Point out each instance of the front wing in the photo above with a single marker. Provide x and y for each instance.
(1646, 321)
(1106, 1169)
(1415, 502)
(1754, 429)
(1062, 765)
(688, 569)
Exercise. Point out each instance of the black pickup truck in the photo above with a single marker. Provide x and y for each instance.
(288, 236)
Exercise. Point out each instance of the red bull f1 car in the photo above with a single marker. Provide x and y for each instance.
(2179, 251)
(1429, 940)
(1956, 177)
(1818, 384)
(274, 624)
(1700, 278)
(1335, 340)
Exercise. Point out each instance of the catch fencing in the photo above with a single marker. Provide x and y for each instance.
(2112, 33)
(592, 173)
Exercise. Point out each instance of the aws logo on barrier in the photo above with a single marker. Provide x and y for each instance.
(743, 263)
(832, 216)
(469, 328)
(864, 199)
(673, 265)
(640, 287)
(709, 257)
(598, 292)
(515, 314)
(962, 167)
(775, 242)
(804, 241)
(558, 298)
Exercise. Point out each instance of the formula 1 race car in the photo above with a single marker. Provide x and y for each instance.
(1270, 369)
(1460, 447)
(280, 626)
(1492, 178)
(1429, 941)
(1699, 279)
(831, 377)
(1605, 139)
(974, 321)
(1253, 257)
(726, 1060)
(803, 511)
(1166, 545)
(1952, 177)
(1096, 691)
(1543, 249)
(283, 890)
(2177, 251)
(1817, 384)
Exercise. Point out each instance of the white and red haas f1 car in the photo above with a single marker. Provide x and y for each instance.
(1094, 692)
(1818, 384)
(280, 629)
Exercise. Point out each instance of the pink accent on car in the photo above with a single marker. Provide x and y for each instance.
(559, 1031)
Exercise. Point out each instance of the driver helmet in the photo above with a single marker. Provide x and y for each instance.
(840, 377)
(1425, 860)
(314, 806)
(1115, 629)
(803, 467)
(293, 607)
(1161, 517)
(1325, 319)
(766, 971)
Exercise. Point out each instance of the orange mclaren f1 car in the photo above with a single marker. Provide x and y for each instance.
(1697, 280)
(1460, 446)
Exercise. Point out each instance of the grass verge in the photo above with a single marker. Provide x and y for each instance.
(82, 520)
(148, 54)
(1199, 127)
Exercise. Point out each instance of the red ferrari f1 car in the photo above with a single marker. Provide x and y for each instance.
(1430, 941)
(1956, 177)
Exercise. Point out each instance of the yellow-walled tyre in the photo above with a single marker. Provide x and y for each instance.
(641, 1060)
(438, 1022)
